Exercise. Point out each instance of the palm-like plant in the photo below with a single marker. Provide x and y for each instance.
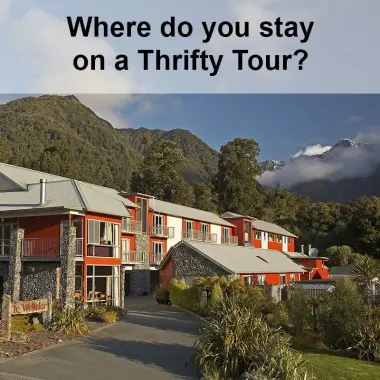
(366, 271)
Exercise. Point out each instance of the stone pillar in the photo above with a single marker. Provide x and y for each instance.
(122, 286)
(67, 280)
(15, 265)
(140, 275)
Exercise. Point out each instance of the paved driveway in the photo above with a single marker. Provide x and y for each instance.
(154, 342)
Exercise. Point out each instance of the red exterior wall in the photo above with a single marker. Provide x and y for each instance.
(291, 245)
(318, 273)
(276, 246)
(272, 278)
(42, 226)
(168, 270)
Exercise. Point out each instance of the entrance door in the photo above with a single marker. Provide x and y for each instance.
(1, 289)
(154, 280)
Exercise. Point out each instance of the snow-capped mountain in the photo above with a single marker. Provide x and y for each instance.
(347, 170)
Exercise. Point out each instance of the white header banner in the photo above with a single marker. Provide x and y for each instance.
(197, 46)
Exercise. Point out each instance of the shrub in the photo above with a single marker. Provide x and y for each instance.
(340, 315)
(161, 293)
(235, 340)
(299, 311)
(24, 324)
(216, 294)
(368, 335)
(183, 296)
(69, 321)
(95, 313)
(110, 317)
(119, 311)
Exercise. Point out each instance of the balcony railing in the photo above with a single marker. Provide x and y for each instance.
(79, 247)
(230, 240)
(199, 236)
(160, 230)
(5, 247)
(101, 250)
(133, 257)
(131, 226)
(155, 258)
(41, 248)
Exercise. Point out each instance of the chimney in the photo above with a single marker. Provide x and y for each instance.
(42, 191)
(302, 250)
(309, 249)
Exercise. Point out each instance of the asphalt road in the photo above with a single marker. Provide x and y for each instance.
(153, 342)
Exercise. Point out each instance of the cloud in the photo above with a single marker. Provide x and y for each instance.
(370, 136)
(152, 105)
(5, 6)
(313, 150)
(337, 163)
(354, 119)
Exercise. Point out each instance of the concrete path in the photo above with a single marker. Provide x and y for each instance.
(154, 342)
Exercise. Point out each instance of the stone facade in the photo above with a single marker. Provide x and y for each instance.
(67, 280)
(188, 262)
(39, 278)
(140, 275)
(14, 275)
(122, 285)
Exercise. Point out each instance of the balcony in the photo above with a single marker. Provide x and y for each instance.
(131, 226)
(155, 258)
(41, 248)
(101, 250)
(158, 230)
(230, 240)
(5, 247)
(133, 257)
(199, 236)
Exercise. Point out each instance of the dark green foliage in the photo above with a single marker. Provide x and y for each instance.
(235, 181)
(236, 341)
(69, 321)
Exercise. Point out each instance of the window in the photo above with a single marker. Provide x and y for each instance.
(283, 279)
(157, 252)
(189, 280)
(158, 225)
(103, 285)
(248, 280)
(279, 239)
(292, 277)
(271, 237)
(204, 230)
(125, 249)
(189, 229)
(142, 213)
(5, 239)
(226, 235)
(247, 231)
(261, 279)
(103, 234)
(257, 235)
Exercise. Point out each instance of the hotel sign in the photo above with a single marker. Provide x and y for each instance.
(28, 307)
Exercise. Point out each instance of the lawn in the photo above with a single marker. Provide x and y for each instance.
(327, 366)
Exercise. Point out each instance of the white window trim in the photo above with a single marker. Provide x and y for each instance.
(282, 275)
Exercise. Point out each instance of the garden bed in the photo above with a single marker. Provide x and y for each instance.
(31, 342)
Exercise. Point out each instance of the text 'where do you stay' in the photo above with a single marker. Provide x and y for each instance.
(196, 59)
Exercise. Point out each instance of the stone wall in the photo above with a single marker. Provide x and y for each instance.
(38, 278)
(14, 277)
(140, 275)
(67, 280)
(188, 262)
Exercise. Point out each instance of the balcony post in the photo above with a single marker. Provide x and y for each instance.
(67, 280)
(15, 264)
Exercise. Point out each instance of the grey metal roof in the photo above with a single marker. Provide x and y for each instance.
(187, 212)
(297, 255)
(313, 286)
(261, 225)
(341, 271)
(240, 260)
(60, 193)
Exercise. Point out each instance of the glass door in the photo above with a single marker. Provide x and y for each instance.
(158, 225)
(5, 239)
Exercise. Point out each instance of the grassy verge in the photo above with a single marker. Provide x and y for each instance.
(327, 366)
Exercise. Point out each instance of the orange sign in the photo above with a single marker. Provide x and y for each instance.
(28, 307)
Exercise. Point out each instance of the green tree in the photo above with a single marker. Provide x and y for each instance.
(160, 175)
(366, 270)
(235, 181)
(5, 151)
(204, 199)
(341, 255)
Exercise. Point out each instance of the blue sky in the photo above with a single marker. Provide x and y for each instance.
(281, 124)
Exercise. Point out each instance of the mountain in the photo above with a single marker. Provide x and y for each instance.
(60, 135)
(348, 170)
(201, 160)
(272, 165)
